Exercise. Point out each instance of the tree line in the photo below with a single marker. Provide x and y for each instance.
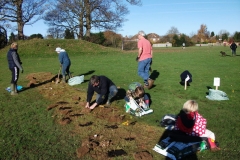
(79, 16)
(72, 19)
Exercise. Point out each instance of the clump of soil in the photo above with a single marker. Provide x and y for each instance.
(106, 131)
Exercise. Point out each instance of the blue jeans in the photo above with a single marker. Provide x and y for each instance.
(143, 69)
(65, 69)
(112, 92)
(233, 52)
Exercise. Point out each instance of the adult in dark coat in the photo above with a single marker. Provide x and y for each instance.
(14, 64)
(105, 89)
(233, 47)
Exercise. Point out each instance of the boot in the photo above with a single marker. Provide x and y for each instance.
(212, 145)
(13, 89)
(64, 79)
(150, 82)
(70, 75)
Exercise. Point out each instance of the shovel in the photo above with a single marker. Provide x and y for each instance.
(57, 81)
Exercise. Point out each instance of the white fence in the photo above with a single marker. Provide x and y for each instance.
(162, 45)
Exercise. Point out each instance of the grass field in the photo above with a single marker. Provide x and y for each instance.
(29, 131)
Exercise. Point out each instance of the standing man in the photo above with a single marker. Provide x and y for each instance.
(14, 64)
(65, 63)
(144, 59)
(233, 47)
(104, 88)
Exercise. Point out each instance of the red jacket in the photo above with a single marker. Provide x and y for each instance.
(192, 124)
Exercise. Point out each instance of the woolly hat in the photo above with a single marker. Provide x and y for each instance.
(58, 49)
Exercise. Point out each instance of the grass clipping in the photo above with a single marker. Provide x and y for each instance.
(106, 131)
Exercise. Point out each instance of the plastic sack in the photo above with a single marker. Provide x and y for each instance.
(19, 88)
(76, 80)
(217, 95)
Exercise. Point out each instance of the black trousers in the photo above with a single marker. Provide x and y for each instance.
(15, 75)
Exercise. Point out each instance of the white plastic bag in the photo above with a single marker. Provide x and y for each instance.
(76, 80)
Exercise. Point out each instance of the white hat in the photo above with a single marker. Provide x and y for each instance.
(58, 49)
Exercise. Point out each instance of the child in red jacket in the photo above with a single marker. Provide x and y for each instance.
(192, 123)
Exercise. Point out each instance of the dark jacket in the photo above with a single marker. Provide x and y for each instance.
(102, 89)
(233, 46)
(13, 59)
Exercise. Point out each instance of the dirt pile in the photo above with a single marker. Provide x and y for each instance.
(106, 131)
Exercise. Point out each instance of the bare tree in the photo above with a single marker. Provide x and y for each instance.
(3, 37)
(81, 16)
(223, 34)
(173, 31)
(23, 12)
(56, 32)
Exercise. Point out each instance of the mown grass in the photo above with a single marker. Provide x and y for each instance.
(28, 130)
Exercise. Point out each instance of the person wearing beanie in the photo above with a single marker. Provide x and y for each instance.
(65, 63)
(14, 64)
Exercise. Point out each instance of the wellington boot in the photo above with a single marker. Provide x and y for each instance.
(150, 83)
(212, 145)
(69, 75)
(14, 93)
(13, 90)
(64, 79)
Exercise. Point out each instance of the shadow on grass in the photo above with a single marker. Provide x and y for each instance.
(154, 75)
(168, 133)
(121, 94)
(87, 73)
(208, 87)
(33, 85)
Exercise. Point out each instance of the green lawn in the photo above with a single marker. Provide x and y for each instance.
(28, 130)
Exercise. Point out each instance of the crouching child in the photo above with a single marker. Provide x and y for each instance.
(137, 101)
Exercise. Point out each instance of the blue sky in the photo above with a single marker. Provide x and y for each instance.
(157, 16)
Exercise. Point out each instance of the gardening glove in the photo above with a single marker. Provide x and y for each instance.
(137, 58)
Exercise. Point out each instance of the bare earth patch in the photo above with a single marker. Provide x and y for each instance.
(104, 131)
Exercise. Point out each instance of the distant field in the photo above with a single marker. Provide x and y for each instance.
(30, 131)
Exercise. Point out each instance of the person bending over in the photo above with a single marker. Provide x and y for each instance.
(105, 89)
